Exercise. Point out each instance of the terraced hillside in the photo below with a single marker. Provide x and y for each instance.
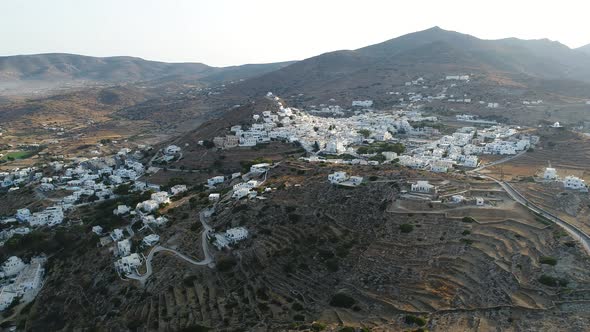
(334, 255)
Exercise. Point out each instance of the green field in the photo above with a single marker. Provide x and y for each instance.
(17, 155)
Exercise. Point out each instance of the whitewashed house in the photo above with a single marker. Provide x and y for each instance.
(355, 180)
(121, 209)
(573, 182)
(470, 161)
(337, 177)
(362, 103)
(215, 180)
(259, 168)
(50, 217)
(178, 189)
(148, 206)
(97, 230)
(214, 197)
(128, 264)
(550, 173)
(172, 149)
(151, 240)
(12, 266)
(124, 248)
(117, 234)
(457, 198)
(161, 197)
(423, 187)
(23, 215)
(234, 235)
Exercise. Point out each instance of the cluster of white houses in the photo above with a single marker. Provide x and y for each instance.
(325, 135)
(20, 281)
(569, 182)
(87, 180)
(462, 148)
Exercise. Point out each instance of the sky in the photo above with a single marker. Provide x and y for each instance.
(233, 32)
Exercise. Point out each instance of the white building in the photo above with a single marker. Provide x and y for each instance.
(51, 216)
(470, 161)
(573, 182)
(148, 206)
(128, 264)
(259, 168)
(214, 197)
(423, 187)
(335, 146)
(337, 177)
(240, 193)
(124, 248)
(117, 234)
(479, 201)
(355, 180)
(12, 266)
(97, 230)
(362, 103)
(550, 173)
(161, 197)
(457, 198)
(121, 209)
(215, 180)
(234, 235)
(23, 215)
(177, 189)
(151, 239)
(172, 149)
(389, 155)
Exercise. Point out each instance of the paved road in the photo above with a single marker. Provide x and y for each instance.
(475, 170)
(574, 231)
(203, 217)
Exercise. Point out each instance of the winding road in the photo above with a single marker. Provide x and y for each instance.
(572, 230)
(203, 217)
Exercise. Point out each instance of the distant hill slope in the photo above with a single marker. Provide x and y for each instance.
(585, 49)
(434, 51)
(67, 68)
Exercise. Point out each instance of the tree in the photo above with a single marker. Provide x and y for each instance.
(208, 144)
(365, 133)
(316, 146)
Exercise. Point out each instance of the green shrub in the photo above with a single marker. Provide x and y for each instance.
(406, 228)
(548, 260)
(467, 241)
(552, 281)
(468, 219)
(342, 300)
(316, 327)
(411, 319)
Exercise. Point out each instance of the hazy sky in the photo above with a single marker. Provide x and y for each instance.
(229, 32)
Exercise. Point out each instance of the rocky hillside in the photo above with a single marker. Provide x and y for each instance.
(434, 52)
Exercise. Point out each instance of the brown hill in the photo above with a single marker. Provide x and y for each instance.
(433, 52)
(31, 72)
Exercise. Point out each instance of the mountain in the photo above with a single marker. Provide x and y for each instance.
(64, 69)
(585, 49)
(434, 52)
